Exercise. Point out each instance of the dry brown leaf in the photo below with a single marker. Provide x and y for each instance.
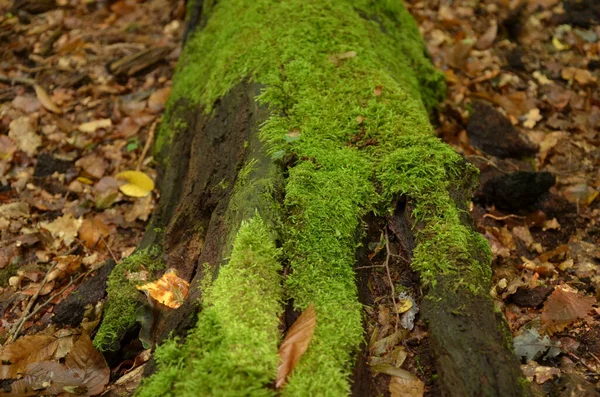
(26, 103)
(92, 231)
(406, 385)
(157, 100)
(91, 126)
(45, 100)
(16, 356)
(541, 374)
(106, 191)
(88, 365)
(487, 39)
(64, 228)
(42, 378)
(582, 76)
(295, 344)
(23, 133)
(581, 194)
(169, 290)
(93, 165)
(564, 307)
(141, 209)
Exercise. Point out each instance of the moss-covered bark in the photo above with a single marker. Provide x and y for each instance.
(348, 88)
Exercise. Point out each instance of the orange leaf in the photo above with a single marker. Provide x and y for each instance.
(169, 290)
(295, 344)
(564, 307)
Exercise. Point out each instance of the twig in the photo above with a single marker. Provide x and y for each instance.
(367, 267)
(387, 268)
(16, 328)
(586, 365)
(47, 302)
(502, 218)
(148, 144)
(109, 250)
(17, 80)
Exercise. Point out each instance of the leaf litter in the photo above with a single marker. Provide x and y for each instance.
(71, 131)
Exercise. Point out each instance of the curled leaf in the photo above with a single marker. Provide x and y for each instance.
(45, 100)
(295, 344)
(169, 290)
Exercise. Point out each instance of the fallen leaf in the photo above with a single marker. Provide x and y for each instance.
(14, 210)
(295, 344)
(91, 126)
(141, 209)
(541, 374)
(157, 100)
(93, 165)
(45, 100)
(88, 365)
(582, 76)
(92, 231)
(565, 307)
(106, 191)
(30, 348)
(26, 103)
(531, 118)
(581, 194)
(530, 344)
(406, 385)
(137, 183)
(487, 39)
(23, 133)
(169, 290)
(64, 228)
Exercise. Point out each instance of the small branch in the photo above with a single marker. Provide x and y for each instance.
(368, 267)
(580, 360)
(47, 302)
(148, 144)
(17, 80)
(16, 328)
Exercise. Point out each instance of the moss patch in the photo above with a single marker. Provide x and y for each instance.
(125, 299)
(233, 349)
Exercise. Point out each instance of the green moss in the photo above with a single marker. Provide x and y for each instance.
(233, 349)
(9, 271)
(336, 73)
(123, 298)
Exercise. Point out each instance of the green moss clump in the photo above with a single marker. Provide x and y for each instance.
(124, 299)
(425, 169)
(232, 351)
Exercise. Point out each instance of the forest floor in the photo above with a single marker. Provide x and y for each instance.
(83, 83)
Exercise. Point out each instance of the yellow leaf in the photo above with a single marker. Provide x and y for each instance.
(137, 183)
(45, 99)
(169, 290)
(85, 180)
(295, 344)
(404, 305)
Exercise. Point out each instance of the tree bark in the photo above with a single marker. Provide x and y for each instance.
(291, 121)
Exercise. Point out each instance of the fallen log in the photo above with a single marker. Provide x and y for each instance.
(288, 122)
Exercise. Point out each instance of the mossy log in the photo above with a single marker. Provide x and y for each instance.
(288, 122)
